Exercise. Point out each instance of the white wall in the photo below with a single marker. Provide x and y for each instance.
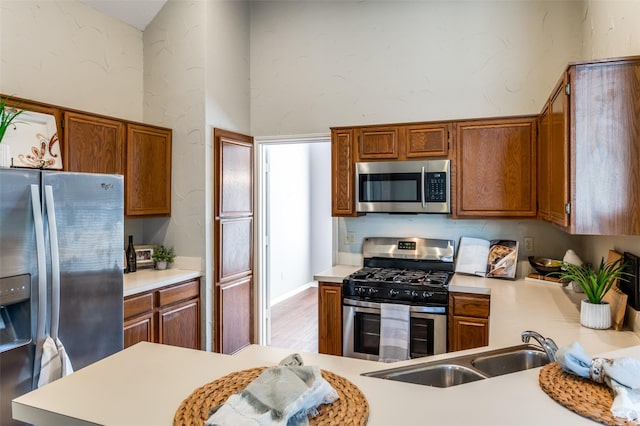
(320, 64)
(289, 216)
(321, 222)
(196, 78)
(69, 54)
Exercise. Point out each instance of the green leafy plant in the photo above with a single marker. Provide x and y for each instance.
(163, 254)
(7, 116)
(594, 284)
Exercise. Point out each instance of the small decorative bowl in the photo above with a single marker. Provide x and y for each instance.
(544, 265)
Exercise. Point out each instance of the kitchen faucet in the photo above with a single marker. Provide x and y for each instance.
(547, 344)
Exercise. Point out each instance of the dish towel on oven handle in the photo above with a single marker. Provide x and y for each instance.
(394, 332)
(620, 374)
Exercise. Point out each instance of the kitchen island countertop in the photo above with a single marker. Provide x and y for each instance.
(146, 383)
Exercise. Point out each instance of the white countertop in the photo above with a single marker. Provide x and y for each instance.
(149, 279)
(146, 383)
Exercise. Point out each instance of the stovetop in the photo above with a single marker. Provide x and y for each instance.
(405, 270)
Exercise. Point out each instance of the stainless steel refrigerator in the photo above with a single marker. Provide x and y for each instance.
(66, 225)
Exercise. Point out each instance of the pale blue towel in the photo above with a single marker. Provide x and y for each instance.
(621, 374)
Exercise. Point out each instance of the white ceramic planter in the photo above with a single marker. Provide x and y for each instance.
(161, 265)
(595, 315)
(5, 155)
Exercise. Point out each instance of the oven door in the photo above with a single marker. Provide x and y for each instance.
(361, 330)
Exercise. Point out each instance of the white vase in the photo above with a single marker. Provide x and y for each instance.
(5, 155)
(161, 264)
(595, 315)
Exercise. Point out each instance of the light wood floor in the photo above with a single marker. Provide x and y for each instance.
(294, 322)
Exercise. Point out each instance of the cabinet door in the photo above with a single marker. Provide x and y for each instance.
(93, 144)
(342, 173)
(544, 130)
(496, 167)
(139, 329)
(330, 318)
(427, 140)
(468, 333)
(559, 156)
(378, 143)
(179, 325)
(148, 177)
(234, 321)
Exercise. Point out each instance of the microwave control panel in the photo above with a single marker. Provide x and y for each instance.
(436, 187)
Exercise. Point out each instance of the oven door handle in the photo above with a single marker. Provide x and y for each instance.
(424, 189)
(360, 304)
(355, 304)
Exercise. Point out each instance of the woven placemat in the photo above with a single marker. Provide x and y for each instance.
(350, 409)
(582, 396)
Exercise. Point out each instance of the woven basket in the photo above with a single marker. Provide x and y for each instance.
(351, 408)
(582, 396)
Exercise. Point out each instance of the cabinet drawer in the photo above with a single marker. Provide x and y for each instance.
(138, 304)
(470, 305)
(179, 292)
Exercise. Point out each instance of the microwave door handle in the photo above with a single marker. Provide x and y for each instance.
(423, 189)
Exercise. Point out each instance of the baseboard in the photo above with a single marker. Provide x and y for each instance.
(293, 292)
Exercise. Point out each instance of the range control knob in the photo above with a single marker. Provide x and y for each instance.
(360, 291)
(414, 294)
(426, 295)
(371, 291)
(393, 292)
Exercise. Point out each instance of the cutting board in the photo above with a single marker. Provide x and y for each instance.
(616, 298)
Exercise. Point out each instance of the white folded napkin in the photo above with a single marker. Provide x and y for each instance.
(283, 395)
(621, 374)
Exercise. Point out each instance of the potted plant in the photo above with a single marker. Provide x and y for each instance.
(162, 256)
(594, 313)
(7, 118)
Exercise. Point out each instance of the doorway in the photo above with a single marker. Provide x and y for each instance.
(295, 237)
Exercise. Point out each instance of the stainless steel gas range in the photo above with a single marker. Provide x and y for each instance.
(409, 271)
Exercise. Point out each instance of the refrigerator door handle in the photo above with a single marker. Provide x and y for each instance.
(55, 262)
(42, 279)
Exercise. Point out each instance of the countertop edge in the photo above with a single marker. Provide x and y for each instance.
(151, 279)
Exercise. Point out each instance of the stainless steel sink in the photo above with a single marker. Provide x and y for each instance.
(467, 368)
(510, 362)
(440, 375)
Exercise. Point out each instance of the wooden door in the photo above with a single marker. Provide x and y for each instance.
(378, 143)
(233, 227)
(93, 144)
(148, 178)
(559, 155)
(427, 140)
(342, 173)
(330, 318)
(544, 130)
(496, 167)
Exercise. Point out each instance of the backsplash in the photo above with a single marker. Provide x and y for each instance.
(547, 241)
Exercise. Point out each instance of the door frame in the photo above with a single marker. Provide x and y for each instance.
(263, 310)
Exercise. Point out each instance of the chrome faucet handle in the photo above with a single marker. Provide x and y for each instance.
(548, 345)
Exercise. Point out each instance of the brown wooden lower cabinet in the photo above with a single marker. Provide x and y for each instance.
(330, 318)
(468, 321)
(168, 315)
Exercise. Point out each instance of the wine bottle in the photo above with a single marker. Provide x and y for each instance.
(131, 256)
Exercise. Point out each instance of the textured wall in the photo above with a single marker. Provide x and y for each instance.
(67, 53)
(321, 64)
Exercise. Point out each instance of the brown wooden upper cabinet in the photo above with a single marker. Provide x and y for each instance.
(148, 175)
(593, 177)
(495, 168)
(93, 144)
(389, 142)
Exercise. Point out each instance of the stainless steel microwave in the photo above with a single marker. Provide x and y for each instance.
(403, 187)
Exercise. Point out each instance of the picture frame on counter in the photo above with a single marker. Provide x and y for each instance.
(144, 255)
